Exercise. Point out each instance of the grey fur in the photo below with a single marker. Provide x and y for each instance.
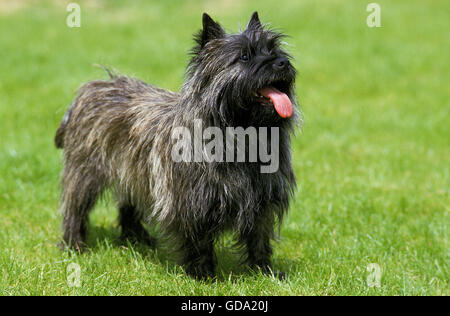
(117, 134)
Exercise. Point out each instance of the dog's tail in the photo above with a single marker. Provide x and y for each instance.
(60, 133)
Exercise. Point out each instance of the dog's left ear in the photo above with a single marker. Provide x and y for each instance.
(211, 30)
(254, 23)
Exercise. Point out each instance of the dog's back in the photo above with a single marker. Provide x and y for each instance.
(119, 100)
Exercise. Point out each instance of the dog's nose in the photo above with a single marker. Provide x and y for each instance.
(280, 63)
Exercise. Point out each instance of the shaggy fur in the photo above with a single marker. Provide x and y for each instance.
(117, 134)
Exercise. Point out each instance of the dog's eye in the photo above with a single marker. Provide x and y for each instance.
(244, 57)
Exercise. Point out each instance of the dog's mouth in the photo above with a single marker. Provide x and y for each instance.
(273, 95)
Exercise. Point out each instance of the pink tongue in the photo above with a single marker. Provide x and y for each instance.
(280, 101)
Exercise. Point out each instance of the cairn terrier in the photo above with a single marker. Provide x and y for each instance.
(118, 134)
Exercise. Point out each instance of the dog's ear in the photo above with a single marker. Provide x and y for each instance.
(211, 30)
(254, 23)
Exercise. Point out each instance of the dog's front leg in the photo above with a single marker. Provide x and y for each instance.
(257, 242)
(199, 258)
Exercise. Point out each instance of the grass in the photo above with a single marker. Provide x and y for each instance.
(372, 161)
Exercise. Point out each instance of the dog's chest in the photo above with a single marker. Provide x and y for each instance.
(242, 189)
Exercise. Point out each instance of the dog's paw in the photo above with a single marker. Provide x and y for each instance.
(268, 271)
(280, 275)
(201, 273)
(76, 247)
(142, 237)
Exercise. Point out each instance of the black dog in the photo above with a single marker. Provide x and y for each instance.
(119, 134)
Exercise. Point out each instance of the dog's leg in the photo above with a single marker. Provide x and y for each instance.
(257, 242)
(132, 227)
(199, 258)
(80, 193)
(259, 250)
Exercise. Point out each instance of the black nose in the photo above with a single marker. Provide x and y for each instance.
(280, 63)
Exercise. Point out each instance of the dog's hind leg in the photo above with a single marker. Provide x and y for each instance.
(81, 189)
(133, 230)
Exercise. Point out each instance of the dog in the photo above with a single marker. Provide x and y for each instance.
(118, 134)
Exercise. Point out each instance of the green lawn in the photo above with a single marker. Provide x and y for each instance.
(372, 159)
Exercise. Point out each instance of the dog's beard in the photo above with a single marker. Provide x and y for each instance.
(245, 103)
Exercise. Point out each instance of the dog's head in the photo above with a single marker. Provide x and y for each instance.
(247, 78)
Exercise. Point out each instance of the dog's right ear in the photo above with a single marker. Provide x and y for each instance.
(254, 23)
(211, 30)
